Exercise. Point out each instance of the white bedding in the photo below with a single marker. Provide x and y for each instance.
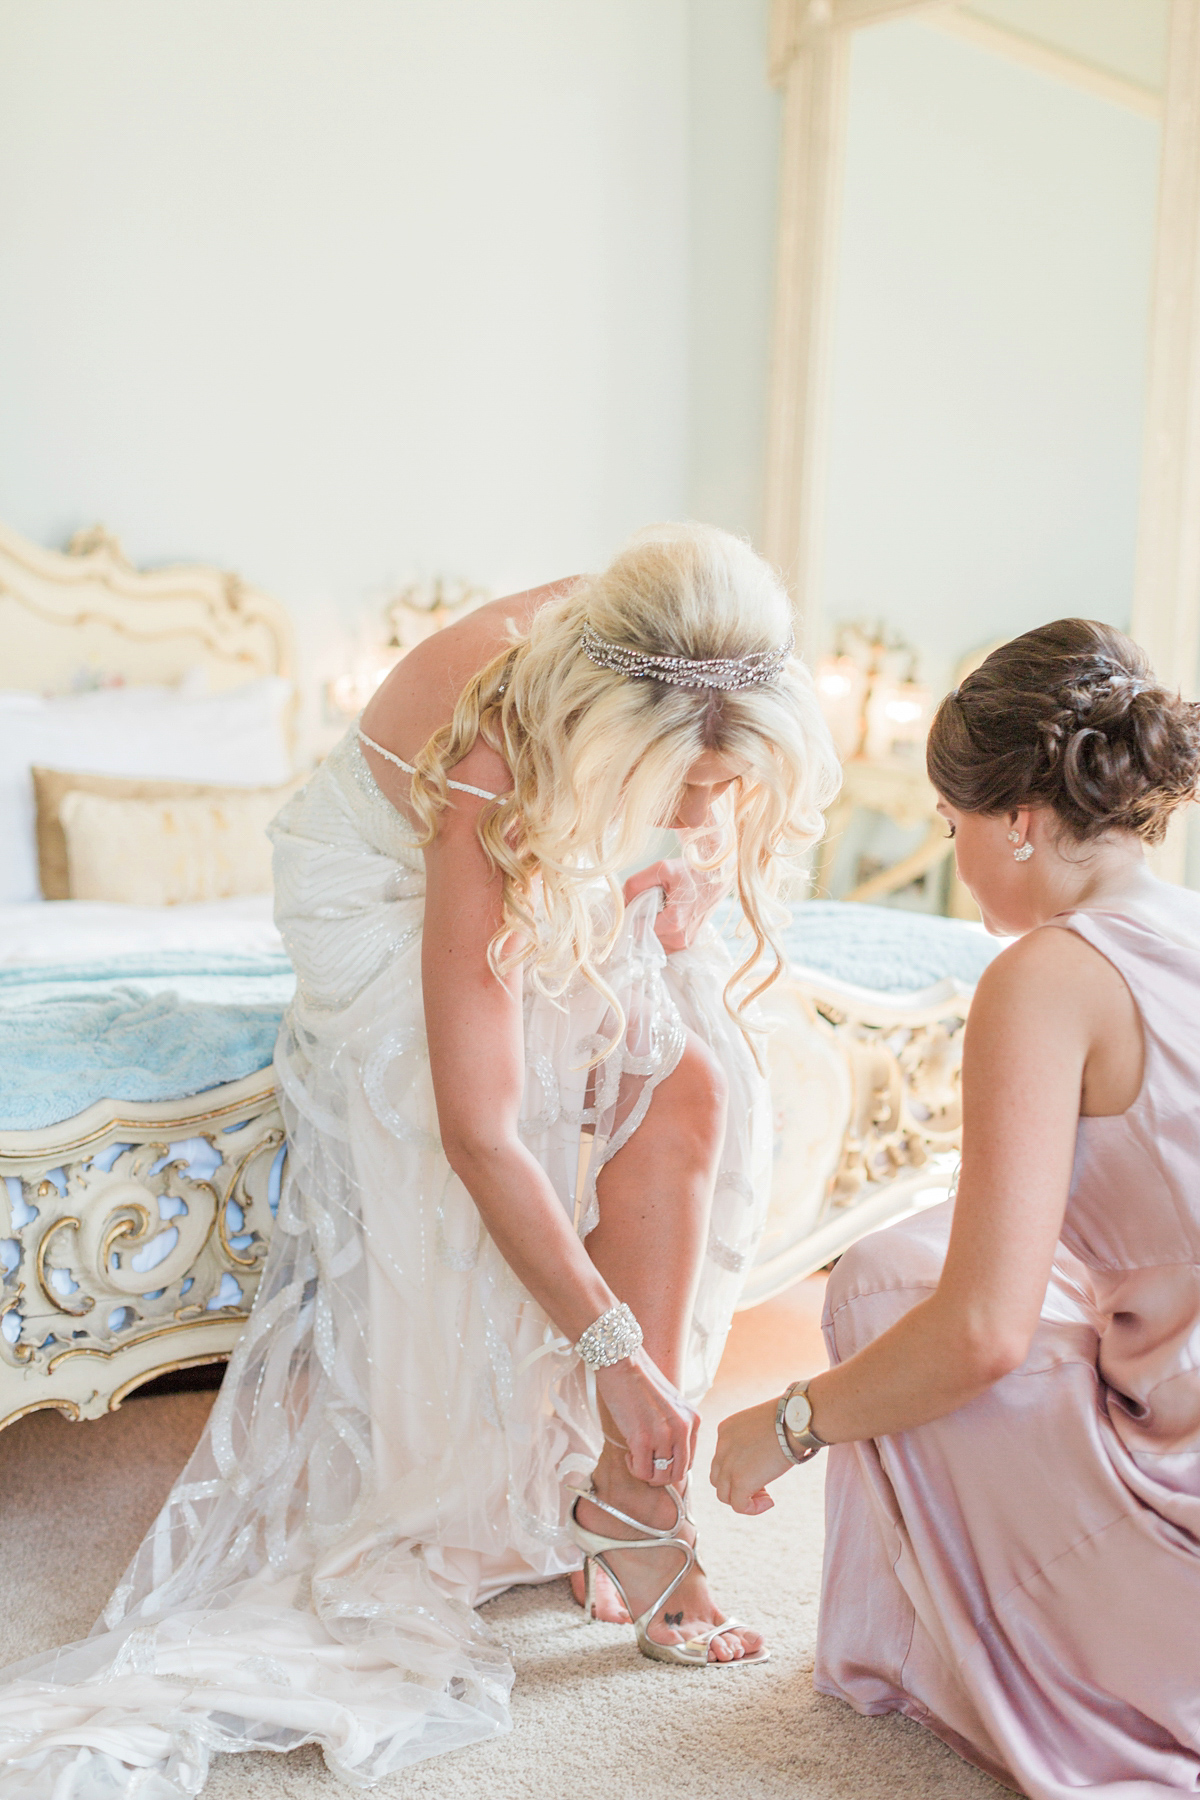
(71, 931)
(236, 737)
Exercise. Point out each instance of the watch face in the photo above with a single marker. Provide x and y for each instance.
(797, 1414)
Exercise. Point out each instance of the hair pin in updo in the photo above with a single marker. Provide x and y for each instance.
(729, 673)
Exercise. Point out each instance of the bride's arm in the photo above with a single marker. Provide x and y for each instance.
(1038, 1010)
(476, 1050)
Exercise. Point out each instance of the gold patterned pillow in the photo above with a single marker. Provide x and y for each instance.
(162, 852)
(50, 786)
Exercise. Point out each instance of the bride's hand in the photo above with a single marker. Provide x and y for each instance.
(654, 1420)
(689, 896)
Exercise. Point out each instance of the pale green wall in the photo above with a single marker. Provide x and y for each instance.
(338, 291)
(989, 362)
(1123, 37)
(735, 121)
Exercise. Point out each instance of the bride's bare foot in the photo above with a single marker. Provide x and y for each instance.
(690, 1610)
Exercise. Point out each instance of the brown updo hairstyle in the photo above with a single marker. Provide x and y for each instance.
(1068, 716)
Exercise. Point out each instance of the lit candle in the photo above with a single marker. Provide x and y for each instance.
(841, 685)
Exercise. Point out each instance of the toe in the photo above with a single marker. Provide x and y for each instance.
(732, 1646)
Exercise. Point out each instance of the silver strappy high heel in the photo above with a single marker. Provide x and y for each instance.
(694, 1652)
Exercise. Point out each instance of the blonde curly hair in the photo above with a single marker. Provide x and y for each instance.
(598, 759)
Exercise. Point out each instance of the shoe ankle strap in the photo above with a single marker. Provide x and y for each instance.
(650, 1531)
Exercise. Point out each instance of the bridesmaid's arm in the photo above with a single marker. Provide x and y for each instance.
(1039, 1010)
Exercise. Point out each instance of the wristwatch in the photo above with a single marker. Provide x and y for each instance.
(794, 1415)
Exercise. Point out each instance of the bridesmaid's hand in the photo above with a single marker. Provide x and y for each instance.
(748, 1457)
(654, 1420)
(689, 895)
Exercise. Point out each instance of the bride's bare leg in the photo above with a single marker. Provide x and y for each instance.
(655, 1198)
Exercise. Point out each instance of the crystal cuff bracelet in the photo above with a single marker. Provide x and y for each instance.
(608, 1339)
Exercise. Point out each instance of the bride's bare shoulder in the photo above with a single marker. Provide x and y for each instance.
(420, 694)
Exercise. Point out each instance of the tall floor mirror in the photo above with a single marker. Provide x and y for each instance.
(985, 400)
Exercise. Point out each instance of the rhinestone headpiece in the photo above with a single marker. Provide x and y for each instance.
(729, 673)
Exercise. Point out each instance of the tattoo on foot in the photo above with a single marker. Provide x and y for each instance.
(673, 1618)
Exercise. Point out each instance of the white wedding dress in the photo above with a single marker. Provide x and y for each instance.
(392, 1438)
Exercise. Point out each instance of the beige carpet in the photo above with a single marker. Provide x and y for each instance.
(592, 1720)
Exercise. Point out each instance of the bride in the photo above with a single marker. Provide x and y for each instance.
(529, 1154)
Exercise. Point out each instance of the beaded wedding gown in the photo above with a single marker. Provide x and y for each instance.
(392, 1439)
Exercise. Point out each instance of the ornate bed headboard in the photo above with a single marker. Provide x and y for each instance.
(69, 619)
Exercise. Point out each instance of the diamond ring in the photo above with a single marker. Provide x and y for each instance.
(663, 1462)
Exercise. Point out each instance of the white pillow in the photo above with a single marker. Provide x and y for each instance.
(236, 738)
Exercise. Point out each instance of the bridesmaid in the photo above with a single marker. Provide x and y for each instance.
(1013, 1495)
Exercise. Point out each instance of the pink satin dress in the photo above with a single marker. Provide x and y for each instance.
(1023, 1575)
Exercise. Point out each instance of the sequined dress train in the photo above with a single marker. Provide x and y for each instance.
(391, 1443)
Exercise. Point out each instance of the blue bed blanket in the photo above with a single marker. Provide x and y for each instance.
(172, 1023)
(134, 1028)
(886, 948)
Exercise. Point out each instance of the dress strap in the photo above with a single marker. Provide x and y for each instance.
(464, 787)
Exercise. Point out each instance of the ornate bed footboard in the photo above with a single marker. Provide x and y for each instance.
(868, 1117)
(131, 1243)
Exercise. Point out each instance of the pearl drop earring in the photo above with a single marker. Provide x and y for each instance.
(1023, 854)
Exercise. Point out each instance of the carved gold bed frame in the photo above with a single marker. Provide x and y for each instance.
(80, 1200)
(866, 1088)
